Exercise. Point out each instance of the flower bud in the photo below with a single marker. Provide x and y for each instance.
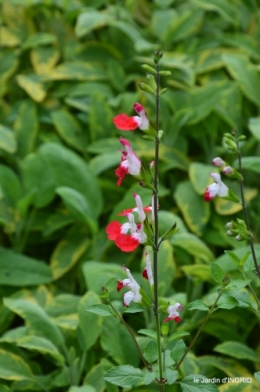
(146, 88)
(228, 225)
(147, 68)
(151, 81)
(229, 232)
(228, 170)
(218, 162)
(165, 73)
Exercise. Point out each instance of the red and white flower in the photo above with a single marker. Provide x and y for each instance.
(134, 294)
(127, 236)
(147, 272)
(125, 123)
(142, 211)
(173, 314)
(217, 188)
(130, 163)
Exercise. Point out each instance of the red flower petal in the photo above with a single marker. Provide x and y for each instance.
(125, 123)
(113, 230)
(145, 274)
(125, 212)
(121, 173)
(177, 319)
(120, 285)
(207, 195)
(126, 243)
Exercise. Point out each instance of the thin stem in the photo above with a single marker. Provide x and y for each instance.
(252, 290)
(199, 331)
(241, 185)
(148, 367)
(156, 227)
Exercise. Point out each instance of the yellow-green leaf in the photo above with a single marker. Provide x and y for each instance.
(199, 176)
(26, 127)
(7, 139)
(226, 207)
(44, 59)
(68, 251)
(13, 367)
(33, 86)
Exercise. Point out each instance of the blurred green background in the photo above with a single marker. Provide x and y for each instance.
(66, 68)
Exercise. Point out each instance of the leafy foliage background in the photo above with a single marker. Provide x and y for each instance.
(66, 68)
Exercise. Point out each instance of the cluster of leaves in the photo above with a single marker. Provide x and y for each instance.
(66, 67)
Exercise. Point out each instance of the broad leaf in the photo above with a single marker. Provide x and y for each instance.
(125, 376)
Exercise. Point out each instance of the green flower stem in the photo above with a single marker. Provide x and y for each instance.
(156, 229)
(148, 367)
(241, 185)
(252, 290)
(199, 331)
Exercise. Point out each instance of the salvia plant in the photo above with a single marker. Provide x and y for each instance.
(165, 351)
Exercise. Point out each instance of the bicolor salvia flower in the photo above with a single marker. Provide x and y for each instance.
(130, 163)
(134, 294)
(217, 188)
(173, 314)
(147, 272)
(129, 235)
(125, 123)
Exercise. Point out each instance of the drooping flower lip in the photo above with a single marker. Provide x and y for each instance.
(125, 123)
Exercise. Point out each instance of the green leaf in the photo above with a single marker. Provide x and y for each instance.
(193, 245)
(97, 274)
(117, 342)
(38, 39)
(238, 283)
(257, 377)
(196, 383)
(151, 351)
(37, 320)
(43, 346)
(78, 70)
(254, 127)
(171, 375)
(100, 118)
(177, 335)
(200, 271)
(245, 74)
(26, 127)
(166, 267)
(13, 367)
(217, 273)
(44, 59)
(78, 206)
(237, 350)
(178, 350)
(233, 257)
(90, 325)
(10, 185)
(227, 10)
(90, 20)
(250, 163)
(68, 251)
(198, 304)
(19, 270)
(84, 388)
(102, 162)
(69, 129)
(33, 86)
(199, 176)
(54, 166)
(125, 376)
(227, 302)
(100, 309)
(194, 209)
(148, 332)
(7, 139)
